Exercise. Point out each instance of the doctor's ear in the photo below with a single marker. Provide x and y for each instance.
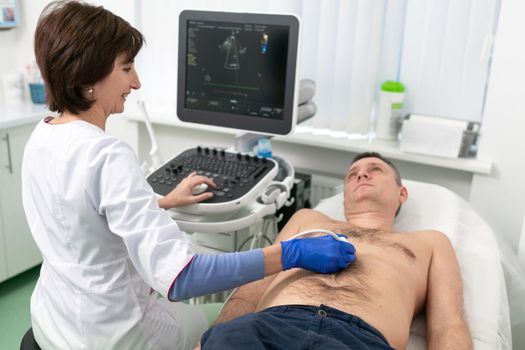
(88, 92)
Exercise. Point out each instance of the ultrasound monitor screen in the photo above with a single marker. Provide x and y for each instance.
(238, 70)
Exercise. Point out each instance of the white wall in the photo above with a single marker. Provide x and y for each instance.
(521, 248)
(500, 196)
(16, 45)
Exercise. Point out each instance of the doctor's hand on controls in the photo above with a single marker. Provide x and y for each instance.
(185, 193)
(109, 248)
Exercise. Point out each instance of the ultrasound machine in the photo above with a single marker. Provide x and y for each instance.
(236, 70)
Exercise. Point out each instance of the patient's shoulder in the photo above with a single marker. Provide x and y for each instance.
(435, 239)
(306, 218)
(301, 220)
(307, 215)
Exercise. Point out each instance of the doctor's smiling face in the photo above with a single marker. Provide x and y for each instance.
(85, 55)
(111, 92)
(372, 184)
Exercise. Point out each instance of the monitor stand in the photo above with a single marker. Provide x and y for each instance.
(245, 142)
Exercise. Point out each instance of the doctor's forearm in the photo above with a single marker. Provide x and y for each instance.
(211, 273)
(208, 274)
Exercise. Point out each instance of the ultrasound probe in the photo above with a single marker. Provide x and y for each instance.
(333, 234)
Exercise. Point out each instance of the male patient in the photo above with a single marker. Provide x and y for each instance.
(371, 304)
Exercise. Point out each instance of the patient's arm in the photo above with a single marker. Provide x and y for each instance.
(446, 325)
(246, 298)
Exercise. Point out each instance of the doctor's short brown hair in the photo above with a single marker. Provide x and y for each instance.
(76, 45)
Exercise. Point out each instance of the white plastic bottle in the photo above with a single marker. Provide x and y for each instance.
(388, 114)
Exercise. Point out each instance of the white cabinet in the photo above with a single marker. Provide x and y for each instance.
(18, 251)
(3, 262)
(521, 245)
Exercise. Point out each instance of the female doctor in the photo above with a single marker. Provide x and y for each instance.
(106, 240)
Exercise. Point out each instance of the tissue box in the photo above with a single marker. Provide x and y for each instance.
(38, 93)
(437, 136)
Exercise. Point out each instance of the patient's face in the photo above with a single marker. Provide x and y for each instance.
(371, 182)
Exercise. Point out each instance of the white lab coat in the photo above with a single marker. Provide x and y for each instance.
(104, 241)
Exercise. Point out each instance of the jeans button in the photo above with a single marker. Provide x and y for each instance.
(321, 313)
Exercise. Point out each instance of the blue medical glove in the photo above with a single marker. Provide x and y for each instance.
(322, 254)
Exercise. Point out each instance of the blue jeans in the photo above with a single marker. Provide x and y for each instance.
(295, 327)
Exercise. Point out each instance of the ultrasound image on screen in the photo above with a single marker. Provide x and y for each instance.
(236, 68)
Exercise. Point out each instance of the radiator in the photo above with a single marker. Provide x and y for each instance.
(324, 187)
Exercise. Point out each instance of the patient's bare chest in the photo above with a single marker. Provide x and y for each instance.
(386, 268)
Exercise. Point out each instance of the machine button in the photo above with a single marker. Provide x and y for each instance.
(218, 193)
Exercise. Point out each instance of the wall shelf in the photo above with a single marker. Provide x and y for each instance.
(303, 136)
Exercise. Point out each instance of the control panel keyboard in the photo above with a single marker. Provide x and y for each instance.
(235, 174)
